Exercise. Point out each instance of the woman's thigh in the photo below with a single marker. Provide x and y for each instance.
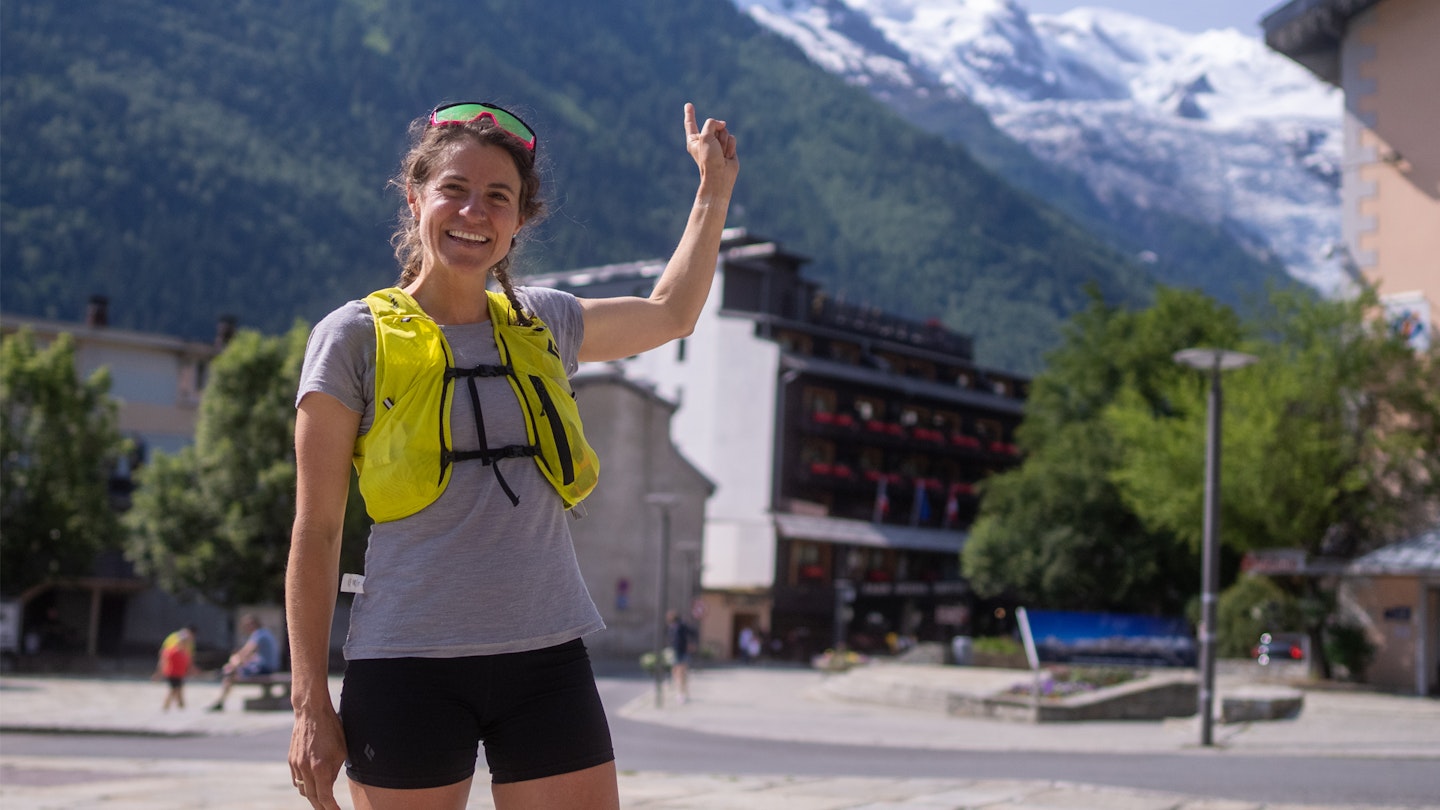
(449, 797)
(590, 789)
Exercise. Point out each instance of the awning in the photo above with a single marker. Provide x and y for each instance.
(864, 533)
(909, 387)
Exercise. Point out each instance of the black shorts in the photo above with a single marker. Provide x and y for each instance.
(416, 722)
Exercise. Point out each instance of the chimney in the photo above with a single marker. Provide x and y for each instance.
(97, 313)
(224, 330)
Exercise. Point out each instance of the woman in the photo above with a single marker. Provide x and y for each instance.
(467, 623)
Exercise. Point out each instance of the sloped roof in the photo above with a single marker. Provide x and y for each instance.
(1311, 31)
(1418, 555)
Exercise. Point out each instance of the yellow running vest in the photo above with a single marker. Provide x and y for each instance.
(406, 457)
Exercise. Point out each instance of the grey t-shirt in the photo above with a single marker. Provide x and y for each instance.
(470, 574)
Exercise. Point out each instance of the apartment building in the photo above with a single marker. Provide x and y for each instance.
(157, 381)
(1381, 53)
(845, 445)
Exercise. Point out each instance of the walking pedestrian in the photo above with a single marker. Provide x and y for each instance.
(177, 656)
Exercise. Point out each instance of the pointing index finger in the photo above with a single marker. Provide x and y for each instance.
(691, 129)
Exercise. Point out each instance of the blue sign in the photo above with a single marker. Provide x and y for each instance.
(1074, 637)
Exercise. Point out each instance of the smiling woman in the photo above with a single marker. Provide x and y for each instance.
(466, 627)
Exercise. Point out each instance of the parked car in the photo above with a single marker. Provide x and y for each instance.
(1279, 647)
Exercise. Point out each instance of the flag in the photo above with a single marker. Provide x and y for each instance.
(952, 508)
(921, 513)
(882, 501)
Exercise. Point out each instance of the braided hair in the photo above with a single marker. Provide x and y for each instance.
(428, 143)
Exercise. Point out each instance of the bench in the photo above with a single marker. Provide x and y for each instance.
(274, 692)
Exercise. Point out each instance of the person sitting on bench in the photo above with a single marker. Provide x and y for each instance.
(259, 655)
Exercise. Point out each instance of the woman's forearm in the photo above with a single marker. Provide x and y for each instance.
(310, 591)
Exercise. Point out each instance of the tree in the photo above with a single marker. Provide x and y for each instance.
(1329, 445)
(216, 517)
(1329, 441)
(59, 442)
(1057, 530)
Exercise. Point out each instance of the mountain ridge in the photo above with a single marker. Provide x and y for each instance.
(1113, 106)
(189, 160)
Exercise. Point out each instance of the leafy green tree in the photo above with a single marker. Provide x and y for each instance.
(1329, 444)
(216, 517)
(1057, 531)
(1253, 605)
(58, 444)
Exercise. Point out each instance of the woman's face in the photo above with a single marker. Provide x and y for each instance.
(469, 209)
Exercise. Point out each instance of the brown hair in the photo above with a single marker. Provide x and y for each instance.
(427, 144)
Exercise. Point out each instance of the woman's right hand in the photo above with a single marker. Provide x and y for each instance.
(317, 752)
(325, 433)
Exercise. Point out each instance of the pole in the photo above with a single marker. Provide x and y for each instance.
(1210, 562)
(661, 604)
(1214, 361)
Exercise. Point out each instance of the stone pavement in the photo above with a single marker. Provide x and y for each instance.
(782, 704)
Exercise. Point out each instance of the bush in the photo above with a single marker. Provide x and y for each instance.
(1253, 605)
(1348, 646)
(1063, 681)
(997, 645)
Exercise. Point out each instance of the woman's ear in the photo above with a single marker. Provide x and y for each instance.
(413, 200)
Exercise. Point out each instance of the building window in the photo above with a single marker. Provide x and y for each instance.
(912, 416)
(989, 430)
(809, 563)
(872, 461)
(847, 353)
(817, 451)
(817, 400)
(869, 409)
(796, 342)
(915, 466)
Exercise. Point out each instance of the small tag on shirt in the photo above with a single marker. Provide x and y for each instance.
(352, 583)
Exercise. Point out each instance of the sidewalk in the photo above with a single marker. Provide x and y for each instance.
(779, 704)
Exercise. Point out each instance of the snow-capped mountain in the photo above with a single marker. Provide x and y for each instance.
(1212, 126)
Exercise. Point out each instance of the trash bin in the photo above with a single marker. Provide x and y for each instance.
(960, 650)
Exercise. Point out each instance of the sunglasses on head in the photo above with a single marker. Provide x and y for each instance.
(463, 112)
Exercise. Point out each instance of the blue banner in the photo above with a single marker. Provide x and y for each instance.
(1073, 637)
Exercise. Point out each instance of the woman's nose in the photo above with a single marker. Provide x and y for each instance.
(475, 207)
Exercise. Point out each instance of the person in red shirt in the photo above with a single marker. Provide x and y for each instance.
(177, 653)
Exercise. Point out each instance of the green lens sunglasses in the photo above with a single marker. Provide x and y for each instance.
(463, 112)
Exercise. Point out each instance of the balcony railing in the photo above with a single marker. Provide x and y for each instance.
(875, 323)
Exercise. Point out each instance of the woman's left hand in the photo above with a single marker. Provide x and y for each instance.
(713, 148)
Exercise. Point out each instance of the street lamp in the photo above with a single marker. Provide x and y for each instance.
(664, 501)
(1214, 361)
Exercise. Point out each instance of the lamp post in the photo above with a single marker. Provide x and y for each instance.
(664, 501)
(1214, 361)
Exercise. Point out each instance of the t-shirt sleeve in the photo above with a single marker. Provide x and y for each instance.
(560, 311)
(339, 358)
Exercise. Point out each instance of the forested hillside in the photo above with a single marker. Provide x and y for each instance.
(190, 159)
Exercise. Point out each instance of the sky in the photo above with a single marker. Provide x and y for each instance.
(1186, 15)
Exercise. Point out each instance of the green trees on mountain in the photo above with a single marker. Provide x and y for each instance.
(191, 160)
(58, 445)
(1329, 445)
